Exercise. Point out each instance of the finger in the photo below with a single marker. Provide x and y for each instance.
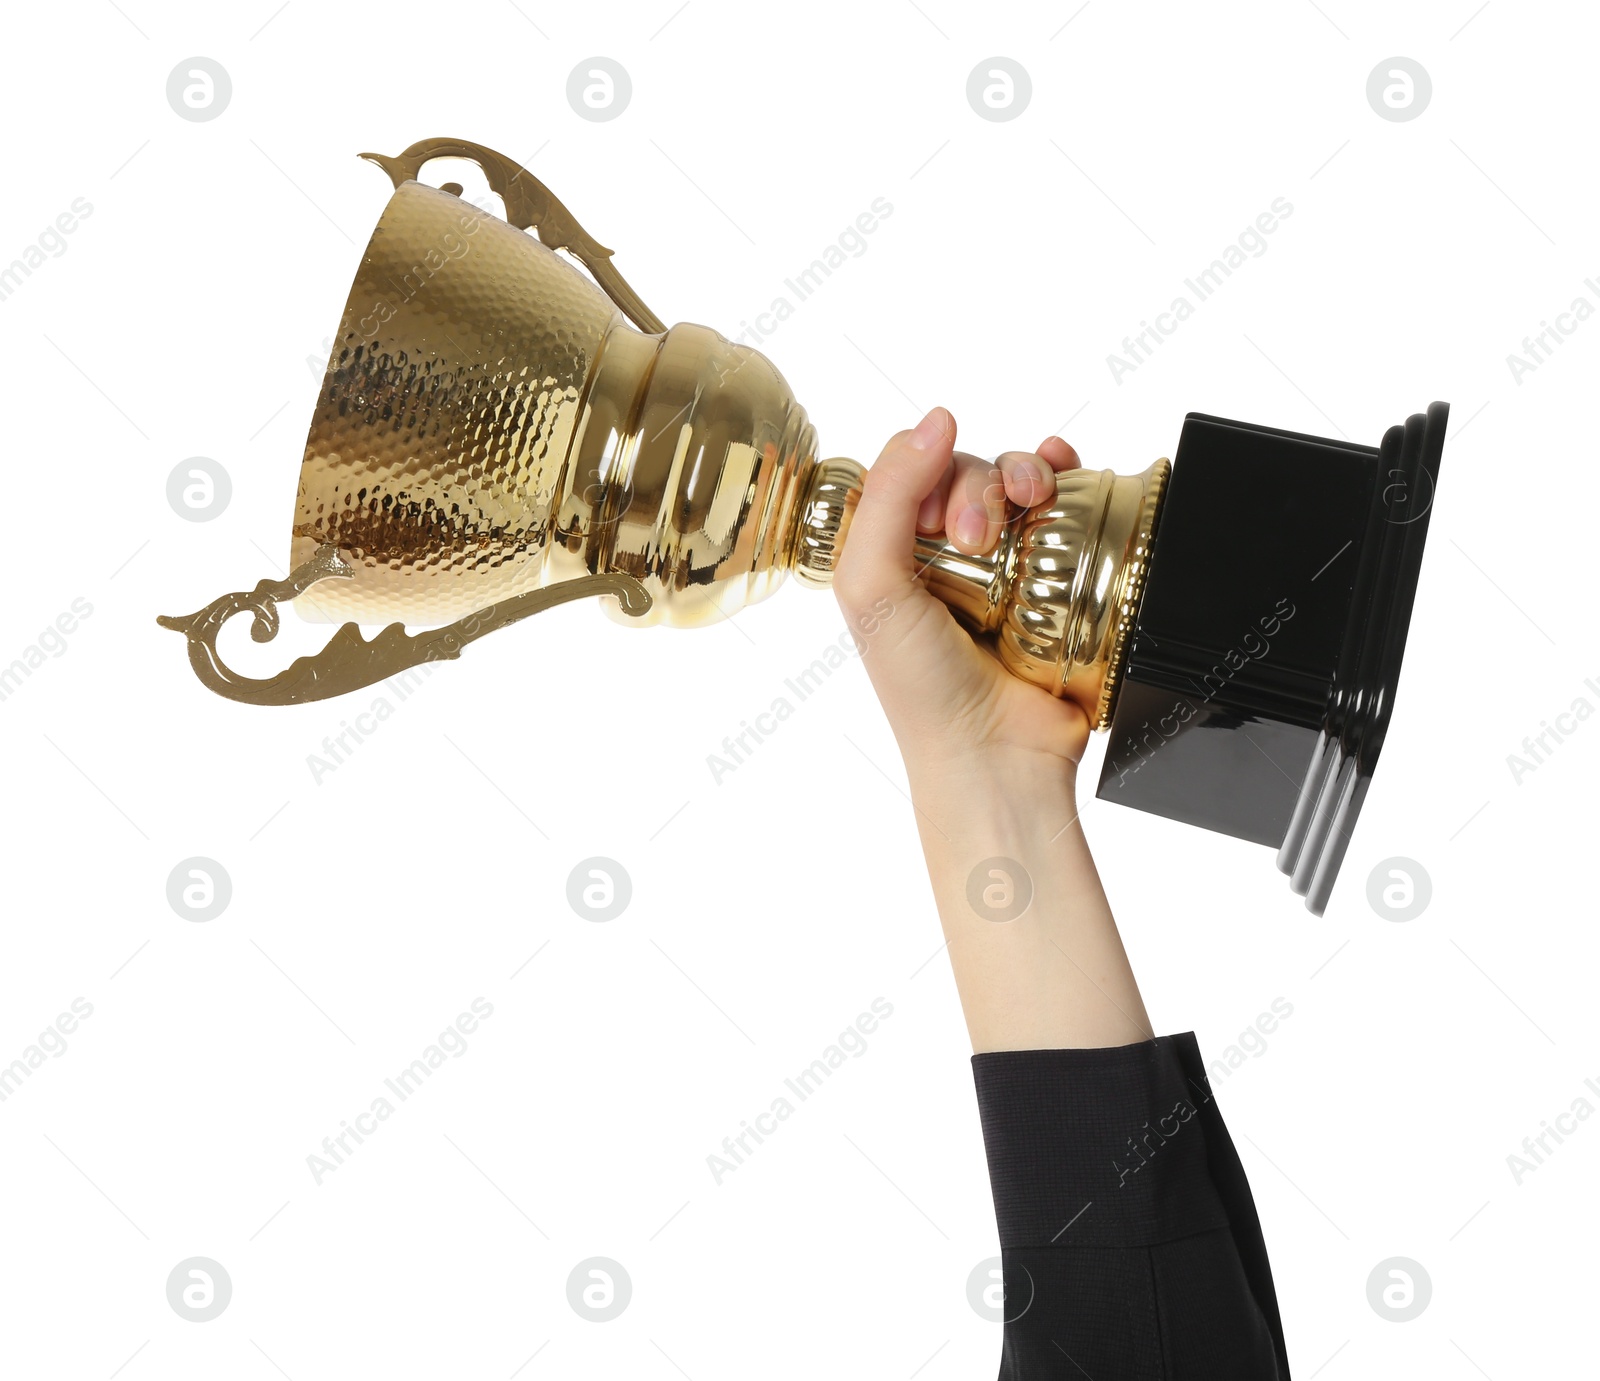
(1029, 479)
(878, 557)
(977, 505)
(930, 513)
(1059, 454)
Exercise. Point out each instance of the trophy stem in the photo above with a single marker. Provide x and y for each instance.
(1060, 591)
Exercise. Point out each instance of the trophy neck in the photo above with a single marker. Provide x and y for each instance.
(824, 520)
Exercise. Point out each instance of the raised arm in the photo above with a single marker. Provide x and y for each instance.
(1130, 1242)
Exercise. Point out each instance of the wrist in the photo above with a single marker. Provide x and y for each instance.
(1025, 811)
(993, 784)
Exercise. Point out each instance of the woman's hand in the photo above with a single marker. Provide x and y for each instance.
(950, 702)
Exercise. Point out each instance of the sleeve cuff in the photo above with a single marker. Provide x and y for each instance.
(1098, 1148)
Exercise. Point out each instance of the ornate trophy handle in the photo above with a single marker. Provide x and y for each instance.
(529, 204)
(348, 661)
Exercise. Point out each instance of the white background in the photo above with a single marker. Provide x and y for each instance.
(371, 908)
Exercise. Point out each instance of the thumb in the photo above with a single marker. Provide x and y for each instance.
(879, 553)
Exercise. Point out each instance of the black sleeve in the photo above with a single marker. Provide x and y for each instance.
(1129, 1240)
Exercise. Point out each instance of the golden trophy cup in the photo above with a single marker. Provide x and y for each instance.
(492, 436)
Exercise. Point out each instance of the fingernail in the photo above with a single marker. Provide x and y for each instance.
(929, 432)
(972, 526)
(928, 513)
(1039, 475)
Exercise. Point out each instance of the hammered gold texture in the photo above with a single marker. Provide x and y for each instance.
(446, 414)
(491, 424)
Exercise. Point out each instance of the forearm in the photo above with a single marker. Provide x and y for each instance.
(1056, 975)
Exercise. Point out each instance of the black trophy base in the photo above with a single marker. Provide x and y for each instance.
(1261, 673)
